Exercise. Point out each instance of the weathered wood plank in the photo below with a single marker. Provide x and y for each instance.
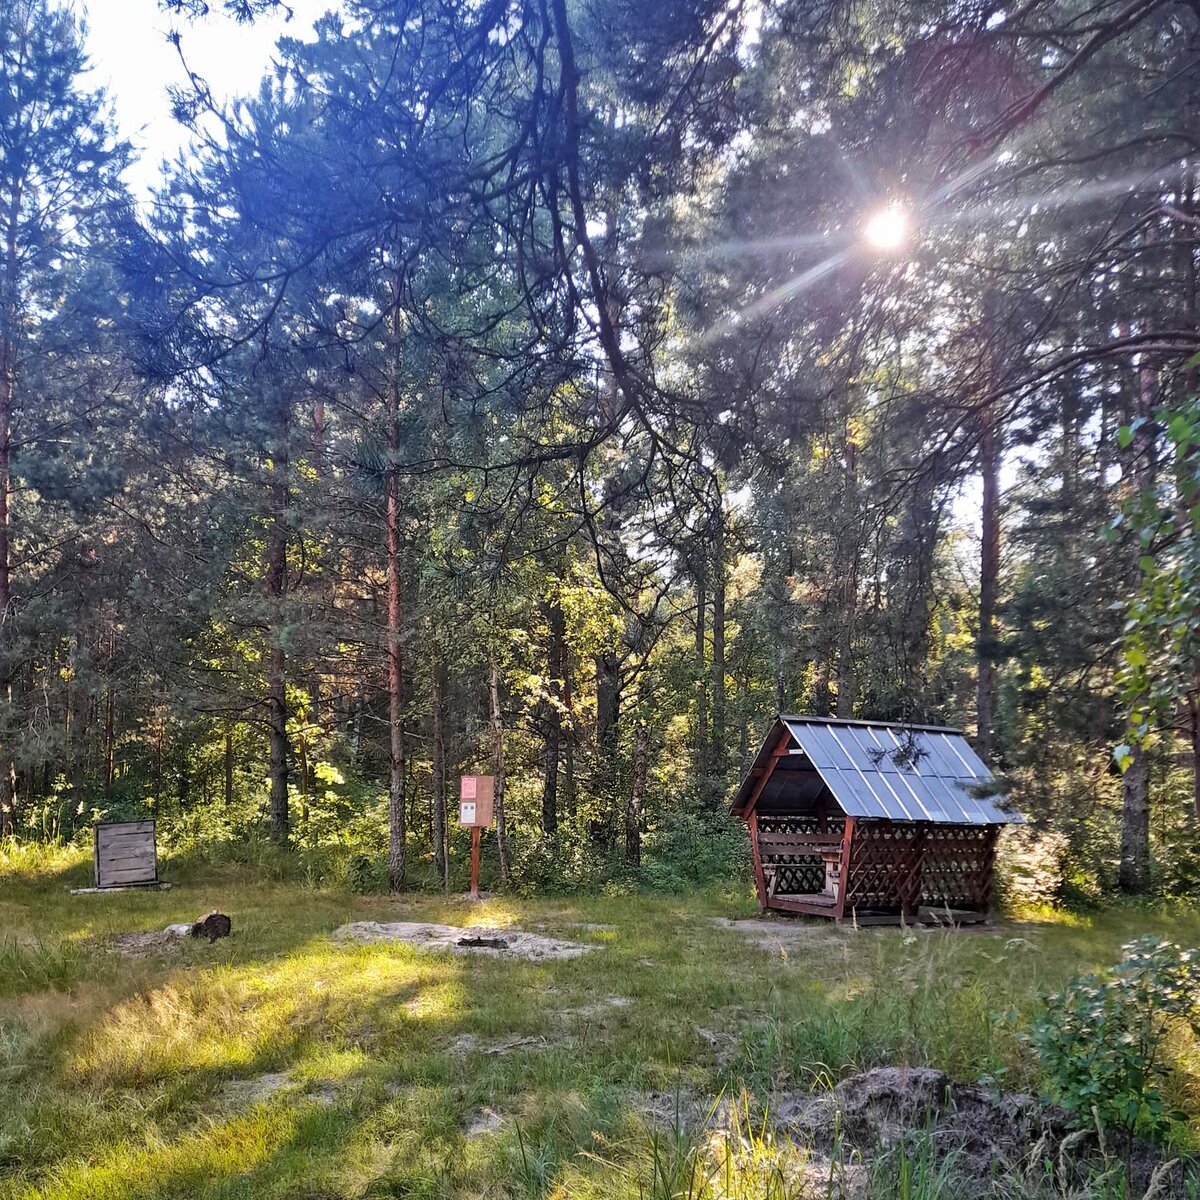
(809, 906)
(126, 849)
(116, 838)
(786, 841)
(127, 827)
(126, 865)
(109, 878)
(125, 853)
(131, 862)
(121, 845)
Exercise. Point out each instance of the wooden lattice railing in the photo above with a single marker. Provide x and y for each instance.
(791, 849)
(898, 865)
(957, 865)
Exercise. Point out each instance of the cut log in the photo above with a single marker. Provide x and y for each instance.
(212, 925)
(484, 943)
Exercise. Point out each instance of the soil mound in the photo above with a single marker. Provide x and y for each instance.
(978, 1131)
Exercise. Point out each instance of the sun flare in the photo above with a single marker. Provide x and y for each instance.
(888, 229)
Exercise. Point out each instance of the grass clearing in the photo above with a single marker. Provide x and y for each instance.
(279, 1063)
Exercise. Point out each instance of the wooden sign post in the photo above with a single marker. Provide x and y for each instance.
(475, 796)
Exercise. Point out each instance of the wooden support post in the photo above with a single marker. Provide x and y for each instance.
(910, 897)
(760, 882)
(751, 816)
(475, 832)
(844, 867)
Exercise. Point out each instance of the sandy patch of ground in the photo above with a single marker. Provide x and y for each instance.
(468, 1043)
(598, 1010)
(460, 939)
(244, 1092)
(782, 934)
(256, 1089)
(483, 1120)
(140, 943)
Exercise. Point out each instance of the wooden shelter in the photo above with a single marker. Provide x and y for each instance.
(872, 821)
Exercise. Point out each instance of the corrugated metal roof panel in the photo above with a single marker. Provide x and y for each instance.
(822, 743)
(900, 773)
(850, 783)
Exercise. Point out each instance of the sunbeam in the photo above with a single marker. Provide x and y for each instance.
(1073, 195)
(775, 297)
(733, 250)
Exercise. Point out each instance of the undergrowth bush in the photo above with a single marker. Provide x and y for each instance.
(1102, 1042)
(744, 1158)
(683, 852)
(563, 865)
(686, 850)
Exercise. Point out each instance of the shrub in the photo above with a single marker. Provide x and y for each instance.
(364, 873)
(687, 850)
(1101, 1042)
(564, 864)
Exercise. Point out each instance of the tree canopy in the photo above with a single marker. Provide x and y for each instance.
(533, 387)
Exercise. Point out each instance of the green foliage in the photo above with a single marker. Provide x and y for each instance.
(38, 964)
(1161, 643)
(566, 864)
(1101, 1041)
(363, 874)
(686, 851)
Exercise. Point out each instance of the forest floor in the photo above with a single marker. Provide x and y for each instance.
(282, 1062)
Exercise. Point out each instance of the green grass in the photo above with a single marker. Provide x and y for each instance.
(119, 1078)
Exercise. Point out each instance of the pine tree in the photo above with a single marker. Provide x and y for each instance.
(60, 199)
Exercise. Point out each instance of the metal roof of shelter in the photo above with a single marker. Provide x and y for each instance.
(881, 770)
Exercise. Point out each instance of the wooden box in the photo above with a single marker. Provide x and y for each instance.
(124, 854)
(475, 796)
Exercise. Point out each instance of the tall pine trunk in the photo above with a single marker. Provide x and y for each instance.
(1194, 740)
(1134, 871)
(556, 657)
(497, 720)
(570, 791)
(1140, 469)
(276, 591)
(700, 750)
(228, 767)
(718, 756)
(847, 676)
(441, 857)
(608, 702)
(637, 793)
(7, 616)
(395, 664)
(110, 763)
(989, 581)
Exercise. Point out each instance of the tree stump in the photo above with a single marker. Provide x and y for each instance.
(212, 925)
